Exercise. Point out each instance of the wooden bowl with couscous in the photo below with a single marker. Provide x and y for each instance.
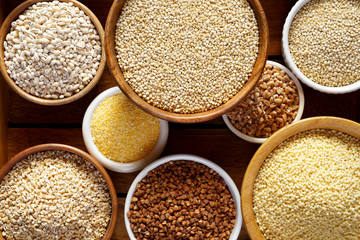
(303, 182)
(58, 191)
(175, 62)
(52, 52)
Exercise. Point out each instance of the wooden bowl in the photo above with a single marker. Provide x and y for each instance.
(114, 67)
(53, 146)
(335, 123)
(5, 28)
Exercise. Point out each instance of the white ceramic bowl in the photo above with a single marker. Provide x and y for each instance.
(298, 117)
(290, 63)
(112, 165)
(229, 182)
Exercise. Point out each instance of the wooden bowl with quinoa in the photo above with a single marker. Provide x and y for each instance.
(56, 178)
(302, 183)
(47, 63)
(186, 62)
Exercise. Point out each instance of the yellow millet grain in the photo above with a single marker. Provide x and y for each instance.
(121, 131)
(309, 188)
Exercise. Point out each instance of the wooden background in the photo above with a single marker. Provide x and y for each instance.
(24, 124)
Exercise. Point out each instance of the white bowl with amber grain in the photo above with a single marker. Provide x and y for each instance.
(124, 167)
(300, 110)
(187, 157)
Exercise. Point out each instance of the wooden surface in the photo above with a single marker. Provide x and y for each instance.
(3, 112)
(338, 124)
(31, 124)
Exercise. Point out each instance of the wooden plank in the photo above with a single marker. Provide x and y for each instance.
(222, 147)
(3, 111)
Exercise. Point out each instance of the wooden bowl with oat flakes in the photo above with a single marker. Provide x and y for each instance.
(41, 68)
(173, 70)
(74, 181)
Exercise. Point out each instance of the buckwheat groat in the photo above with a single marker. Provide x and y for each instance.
(308, 188)
(52, 50)
(187, 56)
(324, 41)
(54, 195)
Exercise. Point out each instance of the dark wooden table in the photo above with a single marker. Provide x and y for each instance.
(24, 124)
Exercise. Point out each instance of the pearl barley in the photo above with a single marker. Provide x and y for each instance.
(52, 50)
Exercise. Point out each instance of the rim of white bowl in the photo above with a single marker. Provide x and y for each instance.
(112, 165)
(188, 157)
(298, 116)
(290, 63)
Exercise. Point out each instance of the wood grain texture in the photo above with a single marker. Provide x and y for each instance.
(339, 124)
(5, 28)
(3, 112)
(218, 145)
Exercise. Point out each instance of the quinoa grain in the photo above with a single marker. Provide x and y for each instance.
(54, 195)
(186, 56)
(324, 41)
(308, 188)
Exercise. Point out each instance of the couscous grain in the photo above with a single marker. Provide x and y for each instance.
(308, 188)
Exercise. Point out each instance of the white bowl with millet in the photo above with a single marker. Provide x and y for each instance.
(120, 165)
(254, 120)
(321, 46)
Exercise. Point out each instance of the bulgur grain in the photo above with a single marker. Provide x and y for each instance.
(308, 188)
(121, 131)
(324, 41)
(186, 56)
(54, 195)
(52, 50)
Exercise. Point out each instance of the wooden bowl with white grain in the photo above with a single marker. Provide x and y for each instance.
(61, 147)
(5, 29)
(332, 123)
(110, 31)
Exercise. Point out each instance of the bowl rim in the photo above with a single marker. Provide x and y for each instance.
(110, 164)
(291, 64)
(56, 146)
(188, 157)
(4, 30)
(115, 70)
(298, 116)
(323, 122)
